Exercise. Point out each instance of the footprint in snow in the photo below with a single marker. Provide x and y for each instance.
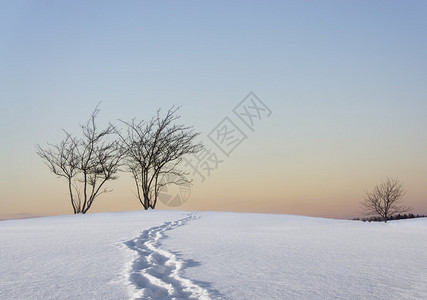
(155, 273)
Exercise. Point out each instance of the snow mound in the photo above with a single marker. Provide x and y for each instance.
(211, 255)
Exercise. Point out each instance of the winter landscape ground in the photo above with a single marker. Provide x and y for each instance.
(211, 255)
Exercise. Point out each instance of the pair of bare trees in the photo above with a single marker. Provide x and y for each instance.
(148, 150)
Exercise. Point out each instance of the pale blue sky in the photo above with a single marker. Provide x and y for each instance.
(346, 81)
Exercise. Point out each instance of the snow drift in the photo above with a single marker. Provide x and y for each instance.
(211, 255)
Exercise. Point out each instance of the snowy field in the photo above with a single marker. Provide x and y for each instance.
(211, 255)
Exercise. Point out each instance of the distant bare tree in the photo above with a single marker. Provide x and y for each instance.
(155, 149)
(385, 200)
(86, 163)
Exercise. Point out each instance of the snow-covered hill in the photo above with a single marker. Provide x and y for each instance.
(211, 255)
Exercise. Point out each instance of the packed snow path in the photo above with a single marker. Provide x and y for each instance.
(155, 273)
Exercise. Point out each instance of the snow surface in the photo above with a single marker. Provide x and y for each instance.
(211, 255)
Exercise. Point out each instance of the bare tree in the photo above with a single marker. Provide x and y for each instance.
(155, 149)
(86, 163)
(385, 200)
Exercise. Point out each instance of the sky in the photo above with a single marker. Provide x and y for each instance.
(344, 82)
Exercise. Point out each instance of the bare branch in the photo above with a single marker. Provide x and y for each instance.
(87, 162)
(156, 148)
(385, 199)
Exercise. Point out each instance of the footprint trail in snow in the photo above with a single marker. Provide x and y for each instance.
(155, 273)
